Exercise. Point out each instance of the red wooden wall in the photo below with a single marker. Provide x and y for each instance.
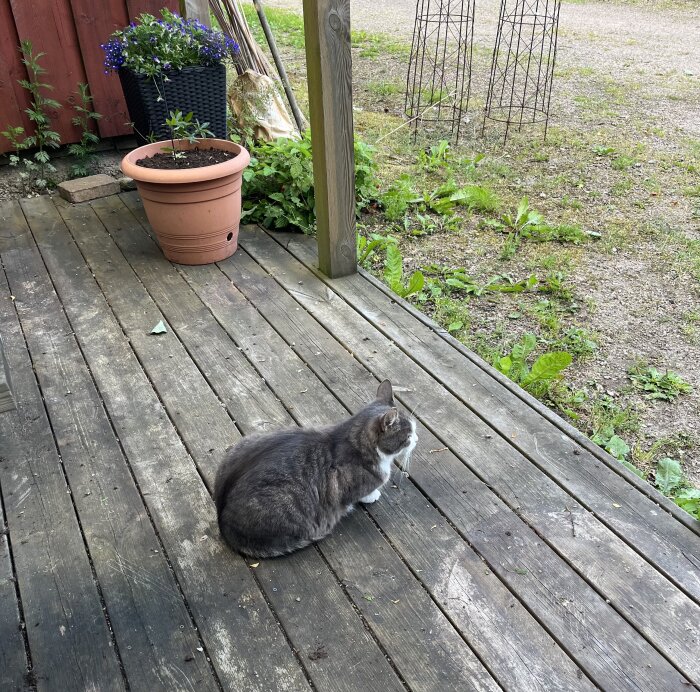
(70, 33)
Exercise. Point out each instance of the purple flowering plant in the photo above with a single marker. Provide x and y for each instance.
(154, 47)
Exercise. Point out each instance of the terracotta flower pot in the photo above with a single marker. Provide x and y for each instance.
(194, 212)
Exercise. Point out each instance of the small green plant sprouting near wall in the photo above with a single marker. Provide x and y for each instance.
(83, 151)
(44, 137)
(664, 386)
(37, 170)
(15, 136)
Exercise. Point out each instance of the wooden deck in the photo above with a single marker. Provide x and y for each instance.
(517, 555)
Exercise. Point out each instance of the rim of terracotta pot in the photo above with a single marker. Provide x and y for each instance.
(184, 175)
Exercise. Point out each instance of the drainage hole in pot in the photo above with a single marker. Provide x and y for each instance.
(229, 236)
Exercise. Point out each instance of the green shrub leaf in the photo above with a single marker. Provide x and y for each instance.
(668, 475)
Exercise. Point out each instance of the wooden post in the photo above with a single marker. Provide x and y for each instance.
(196, 9)
(329, 74)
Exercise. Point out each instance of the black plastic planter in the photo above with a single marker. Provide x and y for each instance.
(201, 90)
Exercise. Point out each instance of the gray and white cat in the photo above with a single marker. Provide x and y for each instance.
(278, 492)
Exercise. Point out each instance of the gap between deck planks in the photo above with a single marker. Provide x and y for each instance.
(675, 680)
(7, 401)
(14, 666)
(154, 633)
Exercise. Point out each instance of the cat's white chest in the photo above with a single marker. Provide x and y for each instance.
(385, 463)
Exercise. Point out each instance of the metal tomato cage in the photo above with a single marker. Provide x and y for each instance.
(440, 64)
(522, 67)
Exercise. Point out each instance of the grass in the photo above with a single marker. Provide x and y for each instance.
(385, 88)
(288, 27)
(689, 326)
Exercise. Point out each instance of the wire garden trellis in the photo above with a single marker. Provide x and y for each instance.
(438, 83)
(522, 68)
(439, 70)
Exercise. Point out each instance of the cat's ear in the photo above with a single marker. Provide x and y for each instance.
(385, 394)
(389, 418)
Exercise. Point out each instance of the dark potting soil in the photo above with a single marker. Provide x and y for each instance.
(194, 158)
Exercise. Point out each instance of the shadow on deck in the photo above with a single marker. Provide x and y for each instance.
(516, 556)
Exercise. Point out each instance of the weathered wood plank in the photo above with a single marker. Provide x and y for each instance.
(137, 7)
(70, 643)
(520, 485)
(662, 539)
(329, 71)
(292, 381)
(196, 9)
(13, 657)
(506, 637)
(241, 634)
(124, 292)
(7, 401)
(339, 655)
(158, 643)
(240, 387)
